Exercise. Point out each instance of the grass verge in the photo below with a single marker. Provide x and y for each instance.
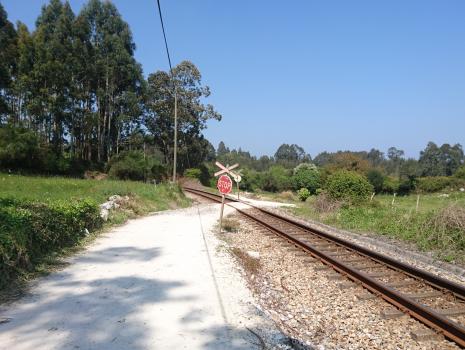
(438, 227)
(44, 219)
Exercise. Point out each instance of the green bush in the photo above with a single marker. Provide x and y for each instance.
(19, 149)
(250, 180)
(439, 183)
(376, 178)
(348, 186)
(390, 185)
(134, 165)
(193, 173)
(303, 194)
(460, 173)
(276, 179)
(30, 230)
(406, 187)
(307, 176)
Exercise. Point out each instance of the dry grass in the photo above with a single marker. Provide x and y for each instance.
(325, 205)
(286, 196)
(231, 224)
(447, 232)
(249, 264)
(450, 218)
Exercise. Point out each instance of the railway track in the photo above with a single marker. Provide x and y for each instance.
(436, 302)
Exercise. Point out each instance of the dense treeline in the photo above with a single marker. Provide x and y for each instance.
(73, 95)
(291, 168)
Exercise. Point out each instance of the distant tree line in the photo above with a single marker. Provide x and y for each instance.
(71, 92)
(389, 172)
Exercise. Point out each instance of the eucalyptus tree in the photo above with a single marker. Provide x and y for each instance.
(52, 72)
(22, 85)
(7, 61)
(116, 78)
(193, 114)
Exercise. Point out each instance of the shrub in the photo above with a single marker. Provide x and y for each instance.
(438, 183)
(324, 204)
(30, 230)
(276, 179)
(193, 173)
(307, 176)
(460, 173)
(286, 196)
(303, 194)
(390, 185)
(376, 178)
(206, 175)
(446, 230)
(19, 149)
(348, 186)
(251, 180)
(133, 165)
(406, 186)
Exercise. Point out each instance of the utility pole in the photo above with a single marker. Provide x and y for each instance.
(175, 128)
(175, 157)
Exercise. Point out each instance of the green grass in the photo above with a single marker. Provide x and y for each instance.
(65, 194)
(431, 229)
(428, 202)
(145, 197)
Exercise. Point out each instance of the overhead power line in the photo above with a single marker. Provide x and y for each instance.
(164, 35)
(175, 94)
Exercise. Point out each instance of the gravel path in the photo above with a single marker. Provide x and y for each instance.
(160, 282)
(309, 305)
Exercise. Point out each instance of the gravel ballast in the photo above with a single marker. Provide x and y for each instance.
(308, 303)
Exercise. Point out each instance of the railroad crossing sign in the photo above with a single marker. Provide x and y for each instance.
(224, 184)
(226, 169)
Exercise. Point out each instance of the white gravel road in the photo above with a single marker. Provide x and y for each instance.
(159, 282)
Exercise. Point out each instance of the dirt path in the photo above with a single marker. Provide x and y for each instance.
(154, 283)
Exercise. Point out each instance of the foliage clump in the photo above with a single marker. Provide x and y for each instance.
(306, 175)
(30, 230)
(460, 173)
(303, 194)
(276, 179)
(134, 165)
(432, 184)
(348, 186)
(376, 178)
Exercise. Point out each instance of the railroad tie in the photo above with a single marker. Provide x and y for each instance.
(389, 314)
(451, 312)
(335, 277)
(422, 335)
(401, 284)
(425, 295)
(346, 285)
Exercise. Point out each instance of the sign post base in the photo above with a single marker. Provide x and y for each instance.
(222, 210)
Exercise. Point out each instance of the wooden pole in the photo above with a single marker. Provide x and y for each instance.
(222, 209)
(394, 199)
(418, 203)
(372, 196)
(175, 156)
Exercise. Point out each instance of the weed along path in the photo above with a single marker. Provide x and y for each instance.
(160, 282)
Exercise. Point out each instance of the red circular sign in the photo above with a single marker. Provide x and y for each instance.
(224, 184)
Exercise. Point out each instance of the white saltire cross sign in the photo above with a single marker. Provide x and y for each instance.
(226, 169)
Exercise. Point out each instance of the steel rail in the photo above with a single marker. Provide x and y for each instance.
(424, 314)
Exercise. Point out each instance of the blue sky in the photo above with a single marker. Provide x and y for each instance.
(326, 75)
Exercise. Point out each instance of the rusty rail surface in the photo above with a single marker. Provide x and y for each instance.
(428, 316)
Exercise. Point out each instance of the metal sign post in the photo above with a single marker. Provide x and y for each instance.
(222, 210)
(238, 178)
(224, 185)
